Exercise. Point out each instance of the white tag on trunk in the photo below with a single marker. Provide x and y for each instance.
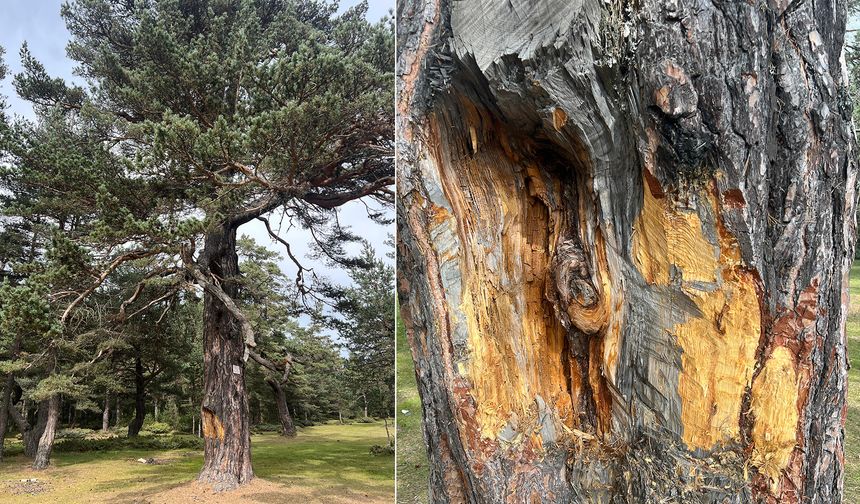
(237, 369)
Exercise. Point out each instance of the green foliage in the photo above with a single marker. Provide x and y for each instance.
(364, 318)
(157, 428)
(123, 443)
(73, 433)
(261, 428)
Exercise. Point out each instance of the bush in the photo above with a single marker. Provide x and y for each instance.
(76, 433)
(158, 428)
(138, 443)
(261, 428)
(365, 420)
(381, 450)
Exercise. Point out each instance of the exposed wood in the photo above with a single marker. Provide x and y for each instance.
(625, 231)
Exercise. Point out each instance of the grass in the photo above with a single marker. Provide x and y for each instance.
(852, 423)
(411, 454)
(326, 459)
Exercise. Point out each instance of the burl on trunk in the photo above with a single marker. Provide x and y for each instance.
(625, 233)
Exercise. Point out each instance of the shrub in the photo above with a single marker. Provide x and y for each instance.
(137, 443)
(261, 428)
(381, 450)
(159, 428)
(77, 433)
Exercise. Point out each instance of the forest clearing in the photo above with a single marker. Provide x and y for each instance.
(324, 463)
(196, 266)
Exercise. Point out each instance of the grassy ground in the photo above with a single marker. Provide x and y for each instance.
(852, 424)
(322, 462)
(411, 455)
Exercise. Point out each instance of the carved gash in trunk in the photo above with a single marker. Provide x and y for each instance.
(625, 233)
(224, 412)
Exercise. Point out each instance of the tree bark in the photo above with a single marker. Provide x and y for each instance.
(5, 404)
(46, 441)
(287, 427)
(139, 397)
(6, 401)
(30, 433)
(226, 429)
(106, 414)
(625, 233)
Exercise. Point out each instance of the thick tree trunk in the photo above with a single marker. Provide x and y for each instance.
(5, 404)
(46, 441)
(30, 433)
(226, 429)
(118, 412)
(106, 414)
(139, 397)
(287, 427)
(625, 231)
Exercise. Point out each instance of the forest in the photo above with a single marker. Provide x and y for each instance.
(135, 310)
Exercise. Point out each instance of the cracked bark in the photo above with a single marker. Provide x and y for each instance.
(224, 412)
(625, 232)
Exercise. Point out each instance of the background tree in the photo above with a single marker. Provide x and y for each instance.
(363, 315)
(625, 236)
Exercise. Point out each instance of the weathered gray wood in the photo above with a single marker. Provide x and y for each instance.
(625, 231)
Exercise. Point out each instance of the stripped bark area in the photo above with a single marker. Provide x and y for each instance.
(625, 231)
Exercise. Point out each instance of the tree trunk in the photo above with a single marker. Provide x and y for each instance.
(106, 414)
(5, 404)
(30, 433)
(625, 232)
(6, 400)
(118, 412)
(139, 397)
(46, 441)
(155, 411)
(287, 427)
(364, 396)
(226, 430)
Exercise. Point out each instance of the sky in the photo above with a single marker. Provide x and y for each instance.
(40, 25)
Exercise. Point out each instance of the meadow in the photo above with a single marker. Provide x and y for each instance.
(329, 463)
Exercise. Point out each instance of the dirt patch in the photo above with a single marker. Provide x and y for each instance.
(259, 491)
(27, 487)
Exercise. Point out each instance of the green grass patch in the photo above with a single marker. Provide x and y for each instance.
(325, 457)
(852, 423)
(411, 451)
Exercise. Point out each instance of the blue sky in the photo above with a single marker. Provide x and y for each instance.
(38, 22)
